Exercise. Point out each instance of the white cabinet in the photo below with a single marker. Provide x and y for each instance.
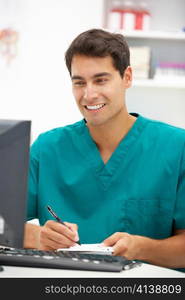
(159, 97)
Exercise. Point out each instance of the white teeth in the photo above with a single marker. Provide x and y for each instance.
(95, 106)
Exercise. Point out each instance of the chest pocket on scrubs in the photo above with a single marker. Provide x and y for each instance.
(151, 218)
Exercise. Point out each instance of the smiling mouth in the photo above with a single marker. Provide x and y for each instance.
(94, 107)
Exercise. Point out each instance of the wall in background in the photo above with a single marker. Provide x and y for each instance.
(163, 104)
(36, 85)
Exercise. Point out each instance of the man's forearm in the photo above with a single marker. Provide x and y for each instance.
(168, 252)
(32, 236)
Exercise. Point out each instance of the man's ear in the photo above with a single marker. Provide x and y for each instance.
(127, 77)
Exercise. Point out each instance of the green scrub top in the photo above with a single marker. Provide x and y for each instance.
(140, 190)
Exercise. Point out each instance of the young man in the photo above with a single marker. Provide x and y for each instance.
(115, 177)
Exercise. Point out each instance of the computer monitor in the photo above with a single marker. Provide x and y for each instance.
(14, 162)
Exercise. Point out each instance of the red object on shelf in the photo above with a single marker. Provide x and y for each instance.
(142, 19)
(139, 21)
(128, 19)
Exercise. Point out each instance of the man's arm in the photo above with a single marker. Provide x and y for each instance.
(169, 252)
(31, 236)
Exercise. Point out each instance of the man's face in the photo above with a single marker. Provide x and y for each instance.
(98, 88)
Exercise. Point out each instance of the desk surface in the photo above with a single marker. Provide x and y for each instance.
(145, 270)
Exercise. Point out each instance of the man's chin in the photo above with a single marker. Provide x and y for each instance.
(95, 123)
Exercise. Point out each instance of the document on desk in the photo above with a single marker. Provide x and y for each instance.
(90, 248)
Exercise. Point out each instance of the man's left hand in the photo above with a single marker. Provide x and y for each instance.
(124, 244)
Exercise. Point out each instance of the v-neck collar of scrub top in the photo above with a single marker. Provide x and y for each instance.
(105, 172)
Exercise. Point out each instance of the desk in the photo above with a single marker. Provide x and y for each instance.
(145, 270)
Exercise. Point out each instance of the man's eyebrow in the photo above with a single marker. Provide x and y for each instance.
(101, 74)
(77, 77)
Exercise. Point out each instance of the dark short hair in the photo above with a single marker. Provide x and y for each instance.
(100, 43)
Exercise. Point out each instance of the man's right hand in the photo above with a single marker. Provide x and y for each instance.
(54, 235)
(51, 236)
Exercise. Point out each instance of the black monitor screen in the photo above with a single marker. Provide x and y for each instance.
(14, 162)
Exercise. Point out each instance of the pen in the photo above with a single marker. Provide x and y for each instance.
(58, 219)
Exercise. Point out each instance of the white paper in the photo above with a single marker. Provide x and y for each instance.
(91, 248)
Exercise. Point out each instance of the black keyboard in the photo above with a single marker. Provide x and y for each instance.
(64, 260)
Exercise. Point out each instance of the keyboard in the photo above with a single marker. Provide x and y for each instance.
(64, 260)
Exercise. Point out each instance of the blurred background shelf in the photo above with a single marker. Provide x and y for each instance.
(160, 83)
(151, 34)
(157, 50)
(164, 35)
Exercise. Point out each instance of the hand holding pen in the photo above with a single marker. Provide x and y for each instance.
(59, 220)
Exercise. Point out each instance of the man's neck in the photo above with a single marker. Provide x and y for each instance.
(108, 136)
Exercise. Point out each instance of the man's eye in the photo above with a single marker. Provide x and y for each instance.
(78, 83)
(101, 80)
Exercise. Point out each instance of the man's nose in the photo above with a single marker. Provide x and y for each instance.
(90, 92)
